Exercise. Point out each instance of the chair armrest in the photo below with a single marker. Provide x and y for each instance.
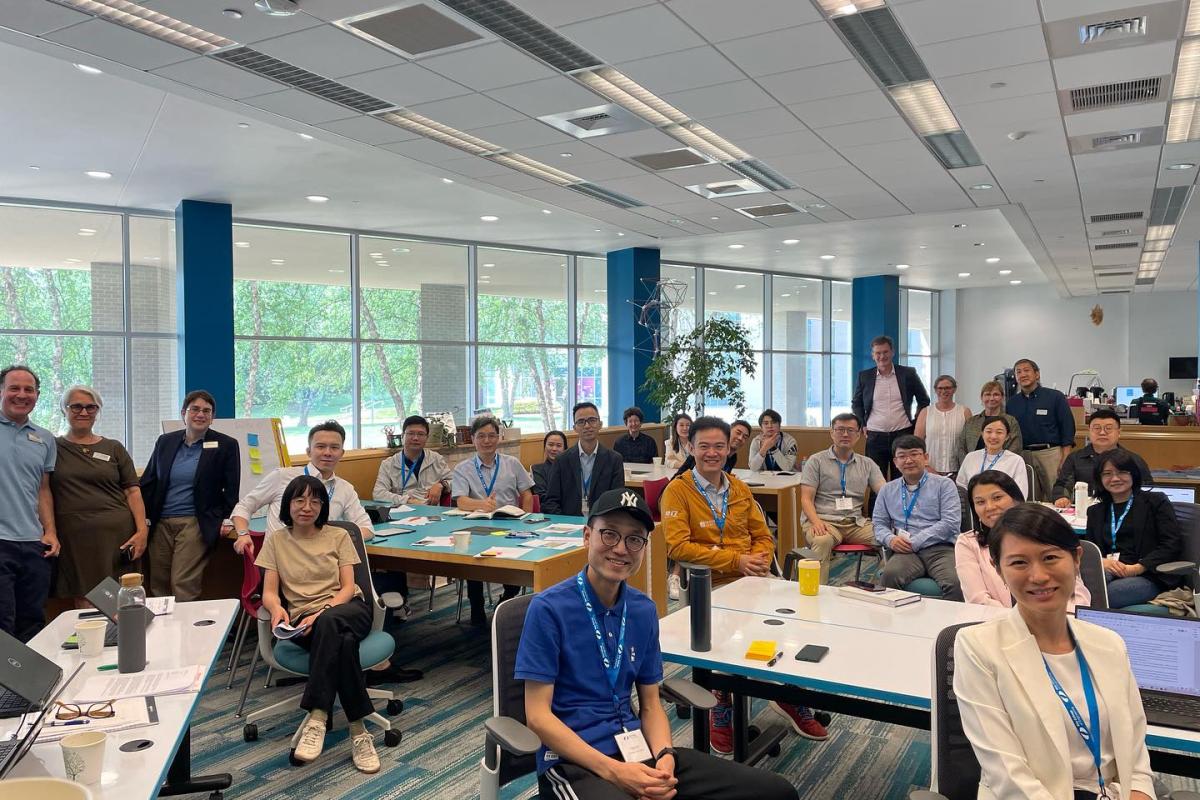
(686, 693)
(925, 794)
(793, 556)
(392, 600)
(511, 736)
(263, 615)
(1183, 794)
(1177, 568)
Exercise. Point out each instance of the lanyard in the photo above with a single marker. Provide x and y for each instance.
(720, 520)
(983, 465)
(843, 468)
(330, 484)
(1114, 524)
(907, 504)
(612, 666)
(414, 471)
(1092, 740)
(479, 471)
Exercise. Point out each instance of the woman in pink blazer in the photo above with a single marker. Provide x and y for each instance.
(991, 493)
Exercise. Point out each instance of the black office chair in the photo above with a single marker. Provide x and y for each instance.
(967, 523)
(1091, 572)
(509, 746)
(954, 766)
(1188, 515)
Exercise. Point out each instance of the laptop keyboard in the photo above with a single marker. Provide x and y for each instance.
(6, 749)
(1184, 706)
(13, 704)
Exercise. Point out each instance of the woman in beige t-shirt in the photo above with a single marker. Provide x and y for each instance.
(309, 565)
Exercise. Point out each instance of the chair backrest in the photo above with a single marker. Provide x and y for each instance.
(508, 693)
(537, 504)
(362, 572)
(1091, 572)
(966, 523)
(1188, 515)
(1031, 478)
(653, 491)
(955, 768)
(252, 576)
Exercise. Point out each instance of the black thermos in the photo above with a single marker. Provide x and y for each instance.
(700, 602)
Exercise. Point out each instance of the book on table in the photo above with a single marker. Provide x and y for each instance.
(888, 597)
(503, 512)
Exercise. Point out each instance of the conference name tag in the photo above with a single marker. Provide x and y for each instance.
(33, 437)
(102, 456)
(844, 503)
(1041, 412)
(633, 747)
(211, 445)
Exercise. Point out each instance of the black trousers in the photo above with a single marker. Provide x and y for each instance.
(475, 595)
(24, 586)
(333, 666)
(701, 777)
(879, 449)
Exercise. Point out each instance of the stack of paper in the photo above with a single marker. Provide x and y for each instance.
(554, 543)
(161, 605)
(132, 712)
(101, 688)
(398, 510)
(414, 521)
(561, 527)
(435, 541)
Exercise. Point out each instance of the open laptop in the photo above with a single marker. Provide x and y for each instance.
(1176, 494)
(13, 750)
(104, 598)
(25, 675)
(1165, 655)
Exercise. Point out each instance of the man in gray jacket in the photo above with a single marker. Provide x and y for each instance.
(414, 475)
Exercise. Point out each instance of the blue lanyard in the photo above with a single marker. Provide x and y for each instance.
(720, 520)
(612, 666)
(907, 504)
(1114, 523)
(479, 471)
(843, 468)
(1089, 695)
(983, 465)
(416, 468)
(329, 490)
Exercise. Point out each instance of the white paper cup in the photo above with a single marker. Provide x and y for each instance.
(461, 540)
(658, 460)
(90, 635)
(83, 755)
(42, 789)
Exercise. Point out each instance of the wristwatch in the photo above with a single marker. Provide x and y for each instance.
(666, 751)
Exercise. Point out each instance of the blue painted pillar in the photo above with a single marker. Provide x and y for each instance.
(204, 300)
(876, 304)
(632, 277)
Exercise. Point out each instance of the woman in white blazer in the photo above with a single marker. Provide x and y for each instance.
(1023, 734)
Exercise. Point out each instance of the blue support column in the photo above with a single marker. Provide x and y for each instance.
(632, 277)
(204, 300)
(876, 304)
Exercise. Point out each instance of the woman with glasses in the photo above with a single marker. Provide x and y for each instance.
(191, 485)
(98, 507)
(1136, 531)
(941, 424)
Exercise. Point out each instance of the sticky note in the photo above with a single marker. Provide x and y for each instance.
(256, 468)
(252, 439)
(761, 650)
(255, 454)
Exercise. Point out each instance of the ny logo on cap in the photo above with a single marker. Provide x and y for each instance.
(629, 499)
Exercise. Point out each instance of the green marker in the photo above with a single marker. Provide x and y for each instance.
(106, 667)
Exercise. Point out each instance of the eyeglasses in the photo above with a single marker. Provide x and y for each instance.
(846, 431)
(197, 411)
(485, 437)
(584, 421)
(1120, 473)
(94, 711)
(633, 542)
(80, 408)
(1103, 430)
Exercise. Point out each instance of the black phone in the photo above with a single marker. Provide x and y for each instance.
(812, 652)
(127, 554)
(867, 586)
(781, 472)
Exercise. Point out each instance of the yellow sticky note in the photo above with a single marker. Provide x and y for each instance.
(761, 650)
(256, 468)
(255, 453)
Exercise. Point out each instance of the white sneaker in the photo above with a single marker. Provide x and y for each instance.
(312, 740)
(363, 753)
(673, 587)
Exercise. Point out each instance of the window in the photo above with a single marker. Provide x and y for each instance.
(527, 385)
(918, 348)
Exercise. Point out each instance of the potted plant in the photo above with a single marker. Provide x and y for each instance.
(707, 363)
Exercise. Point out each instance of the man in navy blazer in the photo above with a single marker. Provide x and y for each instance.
(584, 472)
(190, 486)
(883, 401)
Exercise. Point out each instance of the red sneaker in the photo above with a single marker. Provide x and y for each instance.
(801, 720)
(720, 725)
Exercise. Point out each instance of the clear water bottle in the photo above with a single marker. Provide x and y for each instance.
(131, 624)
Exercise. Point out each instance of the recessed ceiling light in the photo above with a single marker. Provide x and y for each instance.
(243, 125)
(316, 198)
(382, 264)
(600, 291)
(489, 218)
(791, 241)
(814, 205)
(277, 261)
(1015, 283)
(375, 255)
(960, 225)
(566, 155)
(922, 247)
(546, 211)
(87, 231)
(241, 244)
(828, 257)
(336, 271)
(786, 294)
(736, 246)
(992, 260)
(902, 266)
(980, 186)
(978, 244)
(964, 274)
(712, 292)
(714, 217)
(98, 174)
(1184, 165)
(305, 136)
(34, 167)
(597, 230)
(447, 180)
(620, 234)
(72, 260)
(88, 69)
(232, 13)
(1006, 272)
(739, 286)
(488, 265)
(401, 250)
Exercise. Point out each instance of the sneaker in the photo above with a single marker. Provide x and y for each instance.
(363, 753)
(720, 726)
(312, 740)
(673, 587)
(801, 720)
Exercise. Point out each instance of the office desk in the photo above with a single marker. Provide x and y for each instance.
(778, 493)
(879, 665)
(172, 641)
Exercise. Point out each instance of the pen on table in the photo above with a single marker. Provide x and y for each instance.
(69, 722)
(778, 656)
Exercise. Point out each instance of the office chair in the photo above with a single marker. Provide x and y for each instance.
(291, 659)
(250, 599)
(1188, 515)
(1031, 478)
(652, 491)
(1091, 572)
(509, 746)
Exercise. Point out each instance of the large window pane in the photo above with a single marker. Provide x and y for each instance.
(591, 307)
(152, 274)
(61, 270)
(525, 384)
(796, 314)
(841, 385)
(678, 294)
(919, 329)
(924, 367)
(156, 394)
(403, 379)
(737, 296)
(302, 383)
(63, 361)
(412, 290)
(591, 381)
(290, 282)
(797, 388)
(522, 297)
(839, 334)
(753, 388)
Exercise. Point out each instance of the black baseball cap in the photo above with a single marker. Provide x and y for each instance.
(625, 500)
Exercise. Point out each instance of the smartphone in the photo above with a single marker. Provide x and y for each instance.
(782, 473)
(867, 586)
(127, 554)
(812, 652)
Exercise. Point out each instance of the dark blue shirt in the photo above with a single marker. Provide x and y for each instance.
(641, 450)
(1044, 416)
(180, 500)
(558, 646)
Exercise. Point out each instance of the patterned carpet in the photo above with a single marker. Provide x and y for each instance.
(443, 733)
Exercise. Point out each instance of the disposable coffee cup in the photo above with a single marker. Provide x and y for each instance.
(83, 755)
(809, 577)
(461, 541)
(658, 460)
(89, 633)
(42, 789)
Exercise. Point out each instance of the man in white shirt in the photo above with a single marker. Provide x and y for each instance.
(415, 474)
(883, 400)
(325, 450)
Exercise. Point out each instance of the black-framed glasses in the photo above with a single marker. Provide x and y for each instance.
(82, 408)
(633, 542)
(93, 711)
(200, 412)
(581, 422)
(845, 431)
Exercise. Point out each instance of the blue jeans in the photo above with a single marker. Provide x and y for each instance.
(1124, 592)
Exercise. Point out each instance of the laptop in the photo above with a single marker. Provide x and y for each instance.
(13, 750)
(1165, 655)
(26, 677)
(1176, 494)
(104, 598)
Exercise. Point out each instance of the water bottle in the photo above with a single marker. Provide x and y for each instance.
(700, 605)
(131, 624)
(1081, 498)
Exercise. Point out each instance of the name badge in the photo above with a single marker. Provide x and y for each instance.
(633, 747)
(33, 437)
(211, 445)
(1041, 412)
(102, 456)
(844, 504)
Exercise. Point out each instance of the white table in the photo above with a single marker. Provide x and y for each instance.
(172, 641)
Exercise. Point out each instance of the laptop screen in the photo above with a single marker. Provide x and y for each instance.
(1176, 494)
(1164, 651)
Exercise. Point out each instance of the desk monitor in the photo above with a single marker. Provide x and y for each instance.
(1163, 651)
(1176, 494)
(1126, 395)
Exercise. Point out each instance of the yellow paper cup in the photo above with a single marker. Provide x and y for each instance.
(809, 571)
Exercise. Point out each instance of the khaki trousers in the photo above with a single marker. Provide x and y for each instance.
(177, 559)
(1045, 465)
(841, 531)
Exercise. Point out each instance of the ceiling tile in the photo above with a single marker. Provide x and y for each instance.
(703, 173)
(835, 181)
(842, 110)
(520, 135)
(38, 18)
(1142, 115)
(475, 167)
(405, 85)
(340, 9)
(977, 87)
(645, 31)
(488, 66)
(941, 20)
(719, 22)
(514, 181)
(426, 151)
(1112, 66)
(122, 45)
(816, 83)
(562, 12)
(870, 132)
(764, 122)
(369, 130)
(581, 153)
(686, 69)
(789, 49)
(253, 26)
(649, 189)
(467, 112)
(328, 51)
(601, 170)
(976, 53)
(218, 78)
(301, 106)
(728, 98)
(636, 143)
(793, 165)
(550, 96)
(784, 144)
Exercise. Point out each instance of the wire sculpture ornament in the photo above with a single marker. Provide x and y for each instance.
(658, 313)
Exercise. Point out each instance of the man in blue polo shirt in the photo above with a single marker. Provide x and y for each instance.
(1047, 426)
(27, 536)
(585, 643)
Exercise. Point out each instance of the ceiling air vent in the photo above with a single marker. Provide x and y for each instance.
(1119, 216)
(1113, 30)
(1144, 282)
(604, 195)
(882, 47)
(725, 188)
(1118, 232)
(671, 159)
(761, 174)
(518, 28)
(1167, 204)
(1116, 139)
(290, 75)
(1116, 246)
(1114, 291)
(584, 123)
(773, 210)
(1122, 274)
(954, 150)
(411, 31)
(1106, 95)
